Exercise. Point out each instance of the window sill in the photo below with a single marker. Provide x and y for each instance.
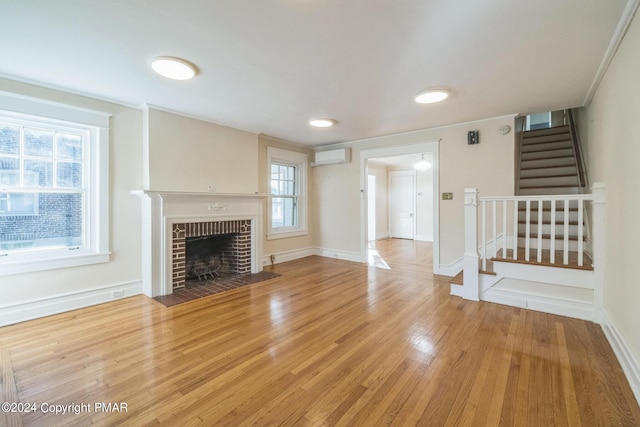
(285, 234)
(51, 262)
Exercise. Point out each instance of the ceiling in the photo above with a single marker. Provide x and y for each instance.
(268, 66)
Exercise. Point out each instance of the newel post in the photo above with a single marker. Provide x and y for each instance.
(471, 289)
(598, 247)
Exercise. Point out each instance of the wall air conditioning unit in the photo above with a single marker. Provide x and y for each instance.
(332, 157)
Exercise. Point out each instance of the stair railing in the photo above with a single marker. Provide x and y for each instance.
(504, 233)
(576, 148)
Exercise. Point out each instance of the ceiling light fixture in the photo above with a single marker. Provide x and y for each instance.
(322, 123)
(173, 68)
(430, 96)
(422, 164)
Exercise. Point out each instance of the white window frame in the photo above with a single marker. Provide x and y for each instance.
(96, 165)
(300, 162)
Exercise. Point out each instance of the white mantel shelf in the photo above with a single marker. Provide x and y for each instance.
(163, 193)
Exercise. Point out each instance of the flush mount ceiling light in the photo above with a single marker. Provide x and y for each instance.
(422, 164)
(173, 68)
(322, 123)
(430, 96)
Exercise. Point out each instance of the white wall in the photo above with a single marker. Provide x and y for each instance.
(614, 158)
(424, 203)
(187, 154)
(489, 166)
(125, 173)
(382, 199)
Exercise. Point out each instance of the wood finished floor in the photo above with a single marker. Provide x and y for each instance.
(328, 343)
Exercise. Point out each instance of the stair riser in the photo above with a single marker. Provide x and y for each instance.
(552, 145)
(546, 229)
(564, 181)
(546, 216)
(545, 154)
(546, 244)
(543, 172)
(549, 131)
(546, 191)
(542, 163)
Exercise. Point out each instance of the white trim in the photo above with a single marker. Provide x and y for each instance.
(451, 269)
(433, 146)
(623, 25)
(300, 161)
(95, 127)
(61, 303)
(456, 290)
(629, 362)
(574, 309)
(292, 255)
(339, 254)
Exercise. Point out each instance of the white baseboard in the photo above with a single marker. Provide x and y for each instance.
(34, 309)
(340, 254)
(456, 290)
(629, 362)
(450, 269)
(290, 255)
(424, 237)
(382, 236)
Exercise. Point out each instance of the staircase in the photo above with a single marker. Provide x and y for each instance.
(535, 248)
(549, 162)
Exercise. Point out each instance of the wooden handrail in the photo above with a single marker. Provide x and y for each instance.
(576, 147)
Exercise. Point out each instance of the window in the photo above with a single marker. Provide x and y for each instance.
(287, 204)
(53, 185)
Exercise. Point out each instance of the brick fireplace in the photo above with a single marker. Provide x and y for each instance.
(169, 218)
(236, 254)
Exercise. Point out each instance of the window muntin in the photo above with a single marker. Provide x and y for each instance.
(43, 187)
(284, 180)
(287, 210)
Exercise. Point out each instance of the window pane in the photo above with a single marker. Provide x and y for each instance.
(9, 171)
(283, 212)
(57, 221)
(9, 139)
(38, 142)
(18, 204)
(69, 175)
(38, 173)
(69, 147)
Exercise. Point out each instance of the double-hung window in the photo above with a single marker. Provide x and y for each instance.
(287, 201)
(53, 185)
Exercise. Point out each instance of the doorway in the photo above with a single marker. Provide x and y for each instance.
(429, 190)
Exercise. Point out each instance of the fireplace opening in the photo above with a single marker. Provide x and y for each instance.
(211, 257)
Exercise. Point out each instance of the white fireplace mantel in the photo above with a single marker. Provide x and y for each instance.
(162, 209)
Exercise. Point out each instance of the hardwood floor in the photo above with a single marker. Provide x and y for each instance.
(328, 343)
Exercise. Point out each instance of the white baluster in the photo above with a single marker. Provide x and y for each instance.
(580, 232)
(494, 228)
(484, 235)
(539, 257)
(552, 247)
(515, 229)
(566, 233)
(527, 233)
(504, 229)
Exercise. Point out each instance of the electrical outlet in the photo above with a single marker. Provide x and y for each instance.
(447, 196)
(117, 294)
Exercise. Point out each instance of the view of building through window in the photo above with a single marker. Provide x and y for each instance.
(284, 206)
(42, 185)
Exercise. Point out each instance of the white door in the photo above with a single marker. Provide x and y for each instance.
(402, 185)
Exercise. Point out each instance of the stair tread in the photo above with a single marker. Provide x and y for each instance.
(547, 167)
(567, 175)
(548, 158)
(547, 236)
(546, 257)
(548, 186)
